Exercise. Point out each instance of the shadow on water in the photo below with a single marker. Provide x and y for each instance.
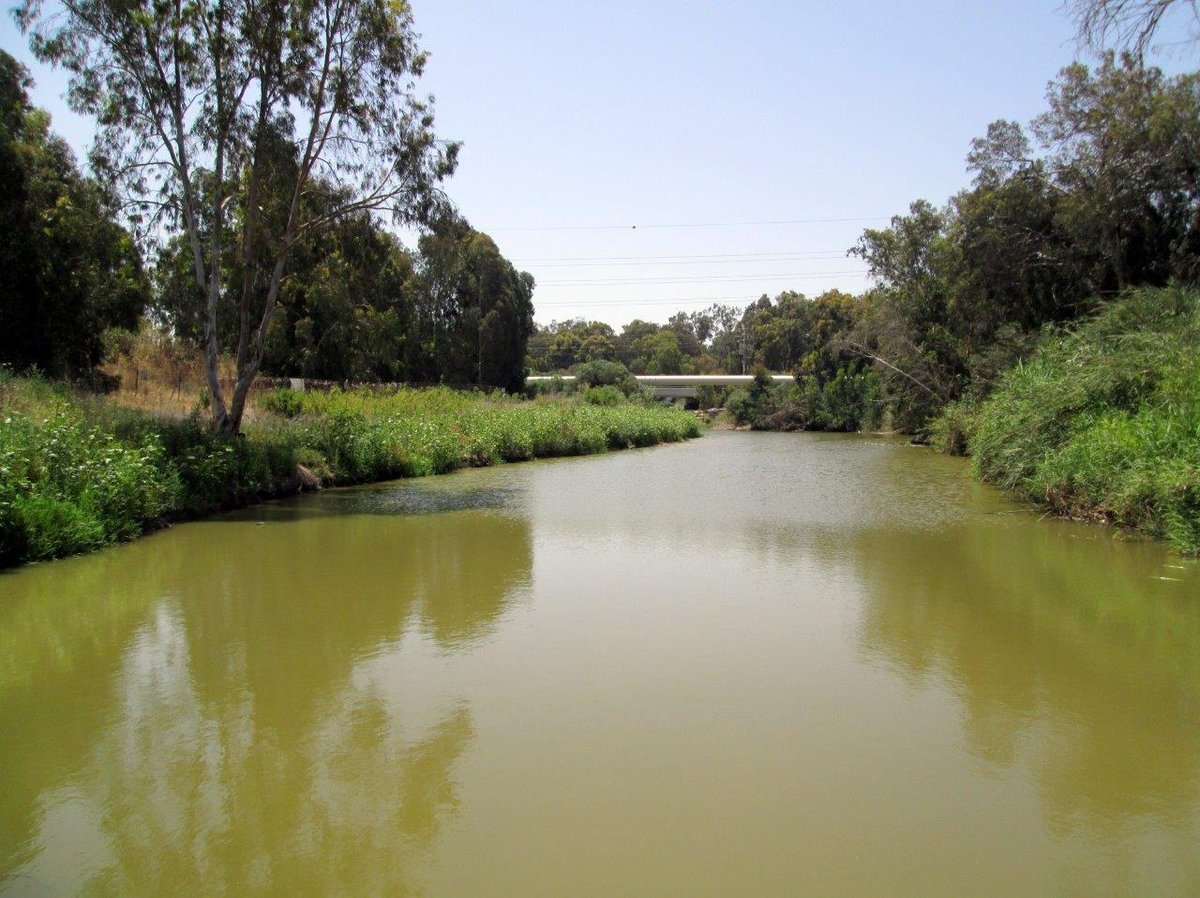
(203, 712)
(398, 498)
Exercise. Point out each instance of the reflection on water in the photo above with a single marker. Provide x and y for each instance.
(204, 711)
(1099, 659)
(756, 664)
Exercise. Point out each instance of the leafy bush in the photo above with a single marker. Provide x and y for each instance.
(67, 486)
(601, 373)
(951, 431)
(741, 406)
(285, 402)
(553, 387)
(847, 402)
(606, 395)
(710, 396)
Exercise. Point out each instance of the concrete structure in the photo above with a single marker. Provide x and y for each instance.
(681, 386)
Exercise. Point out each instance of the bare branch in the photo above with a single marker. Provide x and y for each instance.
(1128, 25)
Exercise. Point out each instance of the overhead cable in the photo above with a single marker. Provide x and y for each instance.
(698, 224)
(619, 282)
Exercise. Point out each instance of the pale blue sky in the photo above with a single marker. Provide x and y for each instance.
(580, 121)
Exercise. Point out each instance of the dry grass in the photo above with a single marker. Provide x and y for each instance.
(160, 376)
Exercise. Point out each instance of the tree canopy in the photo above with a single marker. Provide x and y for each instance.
(213, 113)
(68, 271)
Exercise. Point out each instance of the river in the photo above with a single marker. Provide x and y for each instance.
(753, 664)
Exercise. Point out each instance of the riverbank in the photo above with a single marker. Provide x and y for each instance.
(1103, 423)
(1100, 424)
(78, 473)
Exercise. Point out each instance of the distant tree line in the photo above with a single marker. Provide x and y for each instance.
(1100, 194)
(790, 333)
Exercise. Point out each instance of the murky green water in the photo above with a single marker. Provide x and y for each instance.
(756, 664)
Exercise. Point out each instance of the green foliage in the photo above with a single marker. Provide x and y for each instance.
(602, 373)
(761, 383)
(475, 311)
(67, 270)
(604, 395)
(1104, 423)
(951, 431)
(555, 386)
(182, 141)
(315, 463)
(847, 402)
(67, 486)
(346, 308)
(710, 396)
(76, 475)
(1109, 204)
(285, 402)
(682, 346)
(739, 404)
(850, 401)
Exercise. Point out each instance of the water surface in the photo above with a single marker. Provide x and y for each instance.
(754, 664)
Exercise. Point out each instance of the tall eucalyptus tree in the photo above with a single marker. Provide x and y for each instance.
(216, 116)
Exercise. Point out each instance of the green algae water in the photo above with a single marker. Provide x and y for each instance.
(757, 664)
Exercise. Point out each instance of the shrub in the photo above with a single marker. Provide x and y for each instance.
(286, 402)
(711, 396)
(606, 395)
(553, 387)
(741, 406)
(951, 431)
(602, 373)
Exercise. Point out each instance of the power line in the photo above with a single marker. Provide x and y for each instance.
(656, 301)
(743, 261)
(618, 282)
(647, 302)
(699, 224)
(812, 252)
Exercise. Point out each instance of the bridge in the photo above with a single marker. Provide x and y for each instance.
(677, 386)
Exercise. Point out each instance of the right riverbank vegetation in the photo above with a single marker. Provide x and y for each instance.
(1044, 320)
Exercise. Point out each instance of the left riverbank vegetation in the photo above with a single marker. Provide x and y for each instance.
(137, 315)
(78, 472)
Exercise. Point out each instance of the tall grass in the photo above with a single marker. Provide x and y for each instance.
(406, 432)
(77, 474)
(67, 486)
(1104, 423)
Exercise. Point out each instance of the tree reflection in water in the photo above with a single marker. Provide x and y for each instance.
(1076, 660)
(241, 734)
